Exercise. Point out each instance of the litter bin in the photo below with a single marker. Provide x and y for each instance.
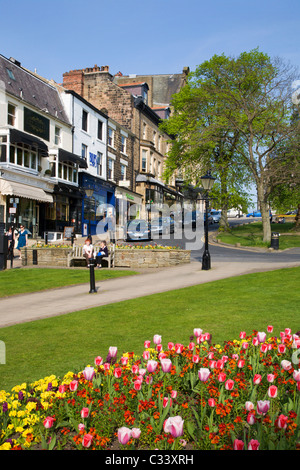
(275, 240)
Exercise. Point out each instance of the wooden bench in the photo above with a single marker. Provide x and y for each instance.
(77, 254)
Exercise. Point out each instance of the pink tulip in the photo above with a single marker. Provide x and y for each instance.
(253, 445)
(272, 391)
(174, 394)
(245, 345)
(222, 377)
(147, 344)
(162, 355)
(243, 334)
(106, 366)
(261, 336)
(117, 372)
(287, 331)
(203, 374)
(87, 440)
(149, 380)
(220, 364)
(151, 366)
(286, 365)
(211, 402)
(191, 346)
(256, 379)
(229, 384)
(135, 433)
(156, 339)
(282, 421)
(146, 355)
(270, 378)
(213, 364)
(211, 355)
(159, 347)
(73, 385)
(124, 435)
(296, 375)
(251, 419)
(263, 407)
(255, 341)
(142, 372)
(238, 444)
(98, 361)
(264, 348)
(197, 332)
(206, 336)
(170, 346)
(195, 358)
(166, 401)
(124, 360)
(179, 348)
(281, 348)
(89, 373)
(174, 425)
(241, 363)
(135, 369)
(48, 422)
(113, 350)
(84, 413)
(62, 389)
(249, 405)
(81, 427)
(270, 329)
(166, 365)
(137, 385)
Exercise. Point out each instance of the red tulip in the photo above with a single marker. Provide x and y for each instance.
(118, 372)
(87, 440)
(257, 379)
(272, 391)
(238, 444)
(229, 384)
(73, 385)
(253, 445)
(84, 413)
(282, 421)
(98, 361)
(48, 422)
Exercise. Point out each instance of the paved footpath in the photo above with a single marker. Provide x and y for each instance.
(28, 307)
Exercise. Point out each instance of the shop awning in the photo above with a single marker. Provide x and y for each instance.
(19, 137)
(12, 188)
(65, 156)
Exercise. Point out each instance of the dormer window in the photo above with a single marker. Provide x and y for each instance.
(10, 74)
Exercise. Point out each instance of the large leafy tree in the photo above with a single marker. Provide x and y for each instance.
(246, 104)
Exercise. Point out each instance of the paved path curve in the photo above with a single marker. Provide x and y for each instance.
(29, 307)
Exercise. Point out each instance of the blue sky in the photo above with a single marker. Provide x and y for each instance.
(153, 37)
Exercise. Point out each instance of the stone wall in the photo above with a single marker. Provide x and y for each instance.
(151, 258)
(136, 258)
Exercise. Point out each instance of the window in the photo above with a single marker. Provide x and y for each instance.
(110, 169)
(123, 144)
(84, 151)
(99, 163)
(123, 172)
(57, 135)
(144, 160)
(144, 130)
(84, 120)
(23, 156)
(68, 172)
(10, 74)
(110, 137)
(11, 114)
(100, 130)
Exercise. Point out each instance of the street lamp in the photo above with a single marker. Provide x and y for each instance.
(89, 193)
(207, 182)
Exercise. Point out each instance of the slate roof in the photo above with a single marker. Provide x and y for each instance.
(24, 85)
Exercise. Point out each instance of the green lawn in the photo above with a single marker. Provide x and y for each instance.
(20, 281)
(251, 235)
(223, 308)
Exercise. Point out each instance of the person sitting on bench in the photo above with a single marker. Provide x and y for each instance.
(88, 251)
(101, 254)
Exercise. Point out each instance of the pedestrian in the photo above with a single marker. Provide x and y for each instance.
(22, 239)
(88, 251)
(101, 254)
(11, 242)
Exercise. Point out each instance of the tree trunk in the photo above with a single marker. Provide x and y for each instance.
(297, 225)
(265, 215)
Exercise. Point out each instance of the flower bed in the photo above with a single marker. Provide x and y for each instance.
(242, 395)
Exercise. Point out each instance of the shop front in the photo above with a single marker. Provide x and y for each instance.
(128, 207)
(98, 202)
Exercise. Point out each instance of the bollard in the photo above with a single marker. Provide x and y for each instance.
(92, 277)
(275, 240)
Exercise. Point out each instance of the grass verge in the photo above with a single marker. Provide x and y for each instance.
(252, 234)
(21, 281)
(223, 308)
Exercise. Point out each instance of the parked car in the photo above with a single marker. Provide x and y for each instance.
(234, 213)
(137, 229)
(254, 214)
(216, 216)
(162, 225)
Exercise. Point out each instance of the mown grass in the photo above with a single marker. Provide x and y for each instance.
(252, 235)
(21, 281)
(223, 308)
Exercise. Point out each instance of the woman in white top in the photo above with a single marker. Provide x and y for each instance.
(88, 251)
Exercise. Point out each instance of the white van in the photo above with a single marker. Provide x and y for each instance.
(234, 213)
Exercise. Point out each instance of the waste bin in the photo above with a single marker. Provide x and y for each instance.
(275, 240)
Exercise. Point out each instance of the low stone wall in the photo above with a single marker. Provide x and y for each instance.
(135, 258)
(139, 258)
(52, 257)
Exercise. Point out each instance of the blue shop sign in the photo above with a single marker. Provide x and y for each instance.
(93, 159)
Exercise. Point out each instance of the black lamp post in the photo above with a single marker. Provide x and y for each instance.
(89, 193)
(207, 183)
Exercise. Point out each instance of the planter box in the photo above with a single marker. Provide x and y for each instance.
(139, 258)
(131, 258)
